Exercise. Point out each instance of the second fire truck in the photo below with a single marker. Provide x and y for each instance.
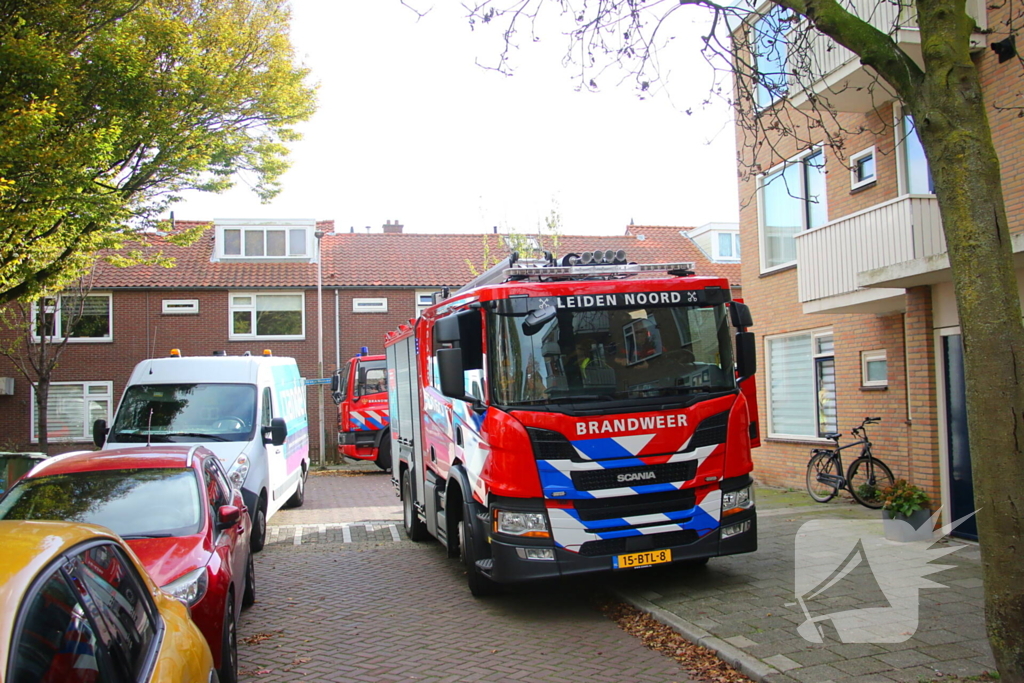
(359, 388)
(576, 415)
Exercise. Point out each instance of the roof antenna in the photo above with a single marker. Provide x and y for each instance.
(149, 429)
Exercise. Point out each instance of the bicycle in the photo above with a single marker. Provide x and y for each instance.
(865, 480)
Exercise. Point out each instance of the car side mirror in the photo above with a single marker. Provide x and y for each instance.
(277, 433)
(228, 516)
(99, 433)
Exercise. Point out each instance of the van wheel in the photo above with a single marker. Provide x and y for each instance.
(383, 460)
(229, 644)
(259, 527)
(299, 497)
(414, 528)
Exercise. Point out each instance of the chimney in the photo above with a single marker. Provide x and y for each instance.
(393, 228)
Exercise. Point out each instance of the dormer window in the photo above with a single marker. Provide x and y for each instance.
(285, 239)
(727, 246)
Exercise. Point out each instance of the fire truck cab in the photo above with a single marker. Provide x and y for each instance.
(359, 388)
(560, 417)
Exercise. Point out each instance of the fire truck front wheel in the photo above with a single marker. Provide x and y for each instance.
(479, 585)
(415, 529)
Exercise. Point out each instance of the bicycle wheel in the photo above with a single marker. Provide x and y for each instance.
(867, 479)
(821, 463)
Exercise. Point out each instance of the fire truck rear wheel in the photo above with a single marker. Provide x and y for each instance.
(414, 528)
(479, 585)
(383, 460)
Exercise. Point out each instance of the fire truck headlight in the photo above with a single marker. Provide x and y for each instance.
(736, 529)
(527, 524)
(737, 501)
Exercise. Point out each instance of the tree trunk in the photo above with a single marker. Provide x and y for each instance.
(42, 404)
(953, 126)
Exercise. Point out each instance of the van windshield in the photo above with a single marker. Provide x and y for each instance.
(179, 413)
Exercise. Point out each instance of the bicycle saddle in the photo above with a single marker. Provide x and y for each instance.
(834, 436)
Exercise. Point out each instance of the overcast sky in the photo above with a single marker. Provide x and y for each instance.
(411, 129)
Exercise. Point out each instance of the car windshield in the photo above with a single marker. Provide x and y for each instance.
(619, 353)
(185, 413)
(133, 503)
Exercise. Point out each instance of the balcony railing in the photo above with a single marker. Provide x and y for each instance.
(822, 69)
(829, 258)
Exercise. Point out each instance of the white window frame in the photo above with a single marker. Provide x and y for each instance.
(378, 304)
(424, 300)
(804, 223)
(902, 170)
(855, 159)
(873, 357)
(233, 307)
(179, 306)
(86, 434)
(716, 253)
(244, 226)
(59, 332)
(812, 358)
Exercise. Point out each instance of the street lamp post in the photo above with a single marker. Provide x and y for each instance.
(319, 234)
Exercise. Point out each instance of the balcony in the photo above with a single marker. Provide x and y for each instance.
(829, 74)
(846, 265)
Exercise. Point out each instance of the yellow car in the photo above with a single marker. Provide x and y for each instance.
(76, 606)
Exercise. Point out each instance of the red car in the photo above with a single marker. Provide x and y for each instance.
(175, 507)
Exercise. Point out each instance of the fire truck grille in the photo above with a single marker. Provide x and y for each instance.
(617, 477)
(630, 506)
(710, 432)
(631, 544)
(548, 445)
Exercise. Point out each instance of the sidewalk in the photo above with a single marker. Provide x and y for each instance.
(744, 607)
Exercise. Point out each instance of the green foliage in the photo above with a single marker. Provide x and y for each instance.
(108, 111)
(904, 498)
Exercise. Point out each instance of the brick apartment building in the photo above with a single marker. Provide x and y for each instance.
(846, 269)
(226, 293)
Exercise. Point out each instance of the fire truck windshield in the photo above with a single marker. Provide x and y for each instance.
(615, 354)
(372, 377)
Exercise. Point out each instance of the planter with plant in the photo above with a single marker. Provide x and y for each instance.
(904, 502)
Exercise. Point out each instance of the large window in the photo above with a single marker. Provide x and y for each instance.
(793, 199)
(770, 55)
(267, 316)
(801, 385)
(71, 409)
(917, 175)
(80, 318)
(256, 242)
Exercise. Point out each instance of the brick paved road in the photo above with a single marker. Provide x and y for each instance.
(348, 602)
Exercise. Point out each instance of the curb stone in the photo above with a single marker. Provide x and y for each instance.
(746, 664)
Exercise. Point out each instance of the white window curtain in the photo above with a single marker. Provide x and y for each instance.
(792, 386)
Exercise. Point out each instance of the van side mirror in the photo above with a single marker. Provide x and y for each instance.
(746, 354)
(277, 433)
(99, 433)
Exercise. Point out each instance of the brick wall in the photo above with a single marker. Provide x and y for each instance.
(141, 330)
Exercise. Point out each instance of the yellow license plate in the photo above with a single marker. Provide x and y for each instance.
(644, 559)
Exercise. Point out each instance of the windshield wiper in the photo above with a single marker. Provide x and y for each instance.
(199, 435)
(136, 536)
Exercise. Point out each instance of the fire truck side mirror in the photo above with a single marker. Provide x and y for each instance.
(746, 354)
(452, 374)
(740, 316)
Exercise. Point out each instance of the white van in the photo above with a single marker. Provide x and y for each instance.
(249, 410)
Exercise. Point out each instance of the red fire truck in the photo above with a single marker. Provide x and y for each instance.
(359, 388)
(584, 414)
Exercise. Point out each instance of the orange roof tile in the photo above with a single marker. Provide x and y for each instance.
(386, 260)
